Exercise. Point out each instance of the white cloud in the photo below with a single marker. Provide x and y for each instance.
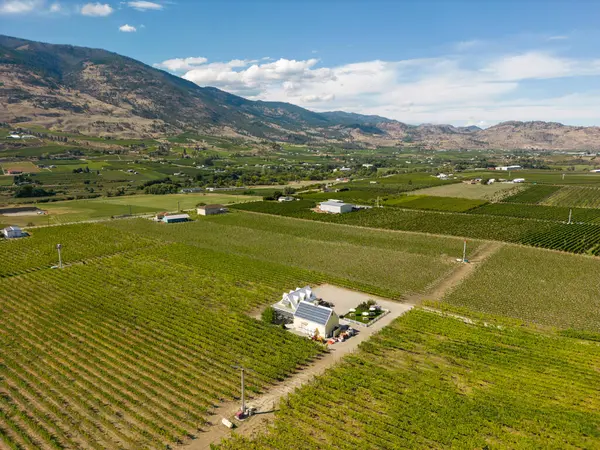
(479, 90)
(55, 7)
(145, 6)
(558, 38)
(19, 6)
(181, 64)
(97, 9)
(127, 28)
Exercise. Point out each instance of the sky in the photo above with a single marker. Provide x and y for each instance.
(461, 62)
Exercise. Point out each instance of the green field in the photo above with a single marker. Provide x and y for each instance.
(536, 286)
(393, 270)
(132, 351)
(576, 238)
(24, 166)
(532, 194)
(451, 204)
(575, 197)
(435, 382)
(106, 207)
(540, 212)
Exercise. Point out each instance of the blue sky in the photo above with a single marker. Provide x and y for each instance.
(469, 62)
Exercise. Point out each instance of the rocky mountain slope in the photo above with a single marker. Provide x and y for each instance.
(97, 92)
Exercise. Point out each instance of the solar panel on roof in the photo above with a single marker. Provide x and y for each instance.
(317, 314)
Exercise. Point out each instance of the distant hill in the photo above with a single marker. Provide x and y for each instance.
(97, 92)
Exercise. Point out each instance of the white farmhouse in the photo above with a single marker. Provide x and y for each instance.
(335, 207)
(290, 300)
(12, 232)
(315, 320)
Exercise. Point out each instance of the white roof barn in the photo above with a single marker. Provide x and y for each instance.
(335, 207)
(12, 232)
(291, 299)
(315, 319)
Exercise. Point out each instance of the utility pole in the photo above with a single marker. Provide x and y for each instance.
(243, 370)
(58, 247)
(464, 259)
(570, 215)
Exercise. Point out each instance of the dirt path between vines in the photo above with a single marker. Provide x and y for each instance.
(448, 283)
(266, 403)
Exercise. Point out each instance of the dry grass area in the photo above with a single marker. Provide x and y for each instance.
(23, 166)
(473, 191)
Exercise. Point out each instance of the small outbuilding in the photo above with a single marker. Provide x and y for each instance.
(12, 232)
(315, 320)
(209, 210)
(335, 207)
(175, 218)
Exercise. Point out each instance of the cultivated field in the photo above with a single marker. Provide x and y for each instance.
(575, 197)
(540, 212)
(23, 166)
(450, 204)
(106, 207)
(135, 350)
(532, 194)
(473, 191)
(575, 238)
(536, 286)
(429, 381)
(391, 268)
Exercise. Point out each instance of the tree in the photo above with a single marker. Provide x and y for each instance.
(269, 315)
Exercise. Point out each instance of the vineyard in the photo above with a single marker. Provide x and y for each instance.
(583, 197)
(429, 381)
(134, 351)
(532, 194)
(575, 238)
(540, 212)
(389, 272)
(451, 204)
(537, 286)
(79, 242)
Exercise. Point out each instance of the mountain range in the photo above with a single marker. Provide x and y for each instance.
(97, 92)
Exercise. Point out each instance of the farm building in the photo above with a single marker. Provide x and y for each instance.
(290, 300)
(315, 320)
(175, 218)
(209, 210)
(12, 232)
(505, 168)
(335, 207)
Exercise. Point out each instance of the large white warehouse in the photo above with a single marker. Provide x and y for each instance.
(335, 207)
